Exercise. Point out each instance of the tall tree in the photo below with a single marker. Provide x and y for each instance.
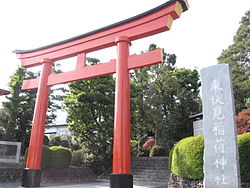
(19, 108)
(238, 56)
(176, 98)
(162, 98)
(90, 108)
(4, 118)
(17, 112)
(167, 96)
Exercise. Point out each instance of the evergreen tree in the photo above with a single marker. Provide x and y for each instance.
(238, 56)
(17, 113)
(18, 109)
(162, 98)
(90, 108)
(167, 96)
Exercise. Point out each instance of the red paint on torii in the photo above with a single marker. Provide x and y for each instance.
(120, 34)
(143, 25)
(83, 73)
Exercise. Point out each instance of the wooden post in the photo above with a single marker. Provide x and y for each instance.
(121, 176)
(32, 172)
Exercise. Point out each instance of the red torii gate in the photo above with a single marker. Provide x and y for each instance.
(120, 34)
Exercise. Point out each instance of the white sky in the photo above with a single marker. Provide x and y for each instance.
(197, 38)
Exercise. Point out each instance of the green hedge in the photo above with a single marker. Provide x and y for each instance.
(46, 157)
(156, 151)
(244, 152)
(186, 157)
(59, 141)
(54, 157)
(60, 157)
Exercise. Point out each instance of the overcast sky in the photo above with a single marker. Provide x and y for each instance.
(197, 38)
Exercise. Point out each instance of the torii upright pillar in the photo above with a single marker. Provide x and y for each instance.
(32, 173)
(156, 20)
(121, 176)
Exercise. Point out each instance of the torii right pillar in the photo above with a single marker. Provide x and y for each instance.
(121, 176)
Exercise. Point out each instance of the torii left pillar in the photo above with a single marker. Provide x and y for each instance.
(32, 173)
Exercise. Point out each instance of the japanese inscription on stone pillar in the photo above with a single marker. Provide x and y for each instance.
(221, 159)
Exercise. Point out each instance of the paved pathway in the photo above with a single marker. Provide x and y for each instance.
(82, 185)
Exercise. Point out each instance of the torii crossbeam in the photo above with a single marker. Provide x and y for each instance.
(120, 34)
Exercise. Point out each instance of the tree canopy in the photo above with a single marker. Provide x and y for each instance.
(17, 112)
(238, 56)
(162, 98)
(90, 108)
(167, 97)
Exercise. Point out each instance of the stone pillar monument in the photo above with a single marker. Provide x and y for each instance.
(221, 158)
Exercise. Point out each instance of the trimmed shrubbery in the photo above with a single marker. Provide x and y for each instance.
(244, 152)
(54, 157)
(60, 157)
(157, 151)
(59, 141)
(55, 141)
(46, 157)
(186, 157)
